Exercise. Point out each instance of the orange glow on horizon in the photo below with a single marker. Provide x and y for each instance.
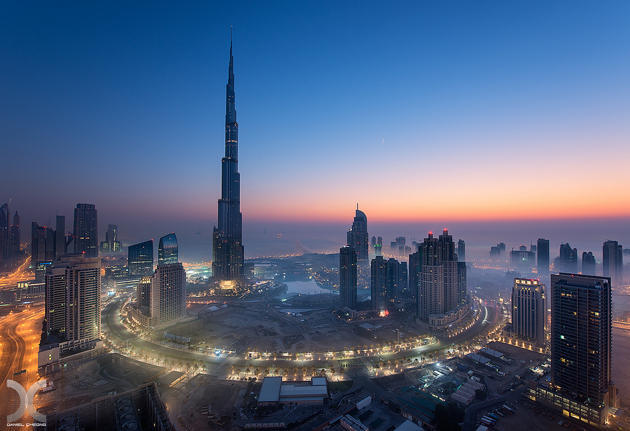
(412, 216)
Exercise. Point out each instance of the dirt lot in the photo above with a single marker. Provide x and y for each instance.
(259, 326)
(208, 403)
(83, 382)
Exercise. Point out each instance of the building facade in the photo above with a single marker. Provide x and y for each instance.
(415, 268)
(111, 243)
(378, 284)
(60, 236)
(42, 244)
(167, 250)
(442, 279)
(227, 238)
(612, 262)
(542, 258)
(357, 236)
(461, 250)
(168, 293)
(568, 259)
(73, 299)
(522, 260)
(15, 248)
(85, 232)
(528, 310)
(4, 234)
(348, 277)
(395, 283)
(588, 263)
(140, 259)
(581, 336)
(143, 295)
(462, 283)
(581, 329)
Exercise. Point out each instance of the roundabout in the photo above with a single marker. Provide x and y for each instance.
(246, 358)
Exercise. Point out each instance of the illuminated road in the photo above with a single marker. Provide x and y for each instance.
(20, 274)
(130, 345)
(19, 343)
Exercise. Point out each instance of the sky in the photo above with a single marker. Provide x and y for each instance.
(422, 112)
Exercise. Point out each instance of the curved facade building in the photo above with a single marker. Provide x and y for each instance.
(358, 235)
(167, 250)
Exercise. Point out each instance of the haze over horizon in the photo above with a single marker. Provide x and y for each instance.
(470, 115)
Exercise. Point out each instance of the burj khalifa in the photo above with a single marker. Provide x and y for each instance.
(227, 238)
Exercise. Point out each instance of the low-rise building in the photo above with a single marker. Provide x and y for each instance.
(274, 391)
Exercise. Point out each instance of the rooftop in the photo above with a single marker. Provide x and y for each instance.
(274, 390)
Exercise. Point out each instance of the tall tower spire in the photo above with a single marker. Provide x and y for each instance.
(227, 251)
(231, 68)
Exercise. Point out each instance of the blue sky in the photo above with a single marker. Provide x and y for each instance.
(417, 110)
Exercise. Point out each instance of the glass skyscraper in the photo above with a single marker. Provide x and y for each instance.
(167, 250)
(348, 277)
(85, 230)
(581, 328)
(140, 258)
(357, 237)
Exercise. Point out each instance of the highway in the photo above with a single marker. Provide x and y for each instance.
(22, 273)
(19, 344)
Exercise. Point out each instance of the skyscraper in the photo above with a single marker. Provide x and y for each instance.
(60, 236)
(567, 261)
(448, 258)
(111, 243)
(73, 299)
(348, 277)
(168, 293)
(415, 268)
(522, 260)
(378, 286)
(85, 230)
(227, 238)
(462, 283)
(581, 337)
(441, 288)
(542, 261)
(42, 244)
(358, 235)
(14, 237)
(461, 250)
(431, 285)
(143, 295)
(4, 234)
(167, 249)
(398, 247)
(395, 281)
(612, 262)
(403, 280)
(378, 247)
(588, 263)
(528, 310)
(140, 259)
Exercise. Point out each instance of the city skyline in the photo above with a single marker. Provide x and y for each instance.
(320, 296)
(464, 118)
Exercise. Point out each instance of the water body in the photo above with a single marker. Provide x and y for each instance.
(309, 287)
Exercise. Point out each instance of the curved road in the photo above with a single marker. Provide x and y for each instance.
(117, 332)
(19, 341)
